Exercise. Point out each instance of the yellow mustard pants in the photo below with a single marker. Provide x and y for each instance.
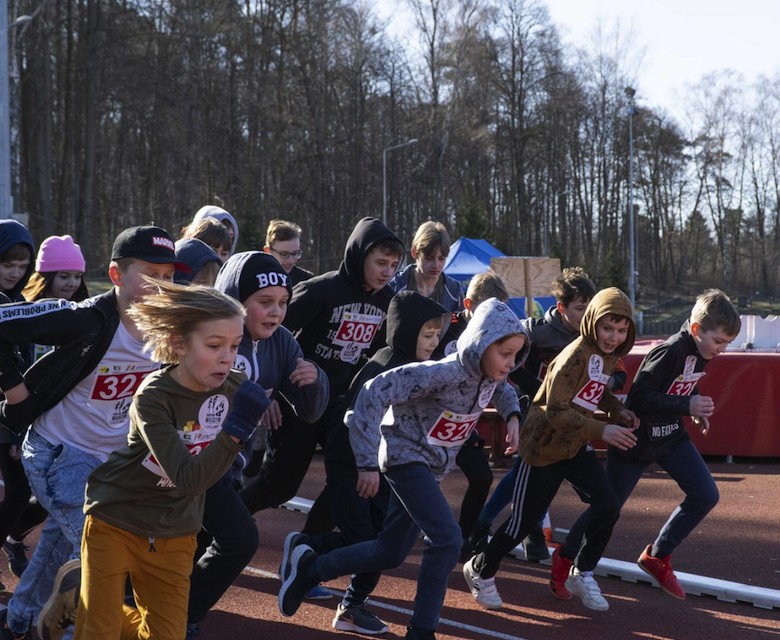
(160, 575)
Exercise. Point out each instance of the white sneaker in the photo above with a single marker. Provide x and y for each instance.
(483, 589)
(585, 588)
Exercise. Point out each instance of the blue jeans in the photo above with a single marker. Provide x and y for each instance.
(416, 503)
(686, 467)
(58, 476)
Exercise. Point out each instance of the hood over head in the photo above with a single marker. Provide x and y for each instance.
(14, 232)
(366, 233)
(608, 301)
(492, 320)
(213, 211)
(407, 313)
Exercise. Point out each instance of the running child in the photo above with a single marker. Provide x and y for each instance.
(144, 505)
(554, 446)
(663, 392)
(435, 406)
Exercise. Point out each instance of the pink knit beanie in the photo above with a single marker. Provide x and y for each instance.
(59, 253)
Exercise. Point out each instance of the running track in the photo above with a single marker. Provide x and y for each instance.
(738, 542)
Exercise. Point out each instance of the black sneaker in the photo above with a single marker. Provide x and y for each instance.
(6, 633)
(297, 582)
(536, 546)
(293, 539)
(478, 540)
(17, 557)
(418, 634)
(59, 612)
(358, 619)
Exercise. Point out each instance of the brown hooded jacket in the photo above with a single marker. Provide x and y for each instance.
(561, 420)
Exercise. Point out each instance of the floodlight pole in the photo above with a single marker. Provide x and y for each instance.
(630, 110)
(384, 175)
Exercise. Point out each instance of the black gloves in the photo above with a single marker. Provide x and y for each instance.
(250, 402)
(17, 417)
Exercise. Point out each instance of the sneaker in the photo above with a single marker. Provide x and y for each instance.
(560, 572)
(17, 557)
(417, 634)
(318, 593)
(358, 619)
(193, 631)
(585, 588)
(296, 585)
(535, 546)
(661, 570)
(6, 633)
(483, 589)
(293, 538)
(59, 612)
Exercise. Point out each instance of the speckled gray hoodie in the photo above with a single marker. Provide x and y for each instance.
(424, 411)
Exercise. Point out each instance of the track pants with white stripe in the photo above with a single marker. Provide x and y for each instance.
(535, 489)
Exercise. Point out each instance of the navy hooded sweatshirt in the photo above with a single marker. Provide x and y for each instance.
(339, 324)
(13, 232)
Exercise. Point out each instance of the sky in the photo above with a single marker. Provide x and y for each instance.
(681, 40)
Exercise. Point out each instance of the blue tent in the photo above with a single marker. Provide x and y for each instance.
(469, 256)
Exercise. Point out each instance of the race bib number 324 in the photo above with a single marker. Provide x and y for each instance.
(452, 429)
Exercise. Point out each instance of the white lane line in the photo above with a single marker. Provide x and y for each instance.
(376, 604)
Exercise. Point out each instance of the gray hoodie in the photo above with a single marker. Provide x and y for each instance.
(433, 406)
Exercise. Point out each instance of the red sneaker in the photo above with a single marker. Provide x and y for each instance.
(560, 572)
(661, 570)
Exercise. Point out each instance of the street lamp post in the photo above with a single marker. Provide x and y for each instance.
(630, 110)
(5, 118)
(384, 175)
(6, 193)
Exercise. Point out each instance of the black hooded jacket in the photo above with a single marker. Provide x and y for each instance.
(406, 315)
(335, 320)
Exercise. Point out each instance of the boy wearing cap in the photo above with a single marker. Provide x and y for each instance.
(202, 261)
(76, 398)
(270, 356)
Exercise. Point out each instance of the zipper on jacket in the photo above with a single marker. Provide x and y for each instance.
(152, 548)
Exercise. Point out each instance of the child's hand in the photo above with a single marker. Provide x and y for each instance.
(512, 435)
(628, 418)
(618, 436)
(701, 407)
(704, 424)
(305, 373)
(272, 419)
(368, 483)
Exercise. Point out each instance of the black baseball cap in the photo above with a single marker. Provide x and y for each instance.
(148, 243)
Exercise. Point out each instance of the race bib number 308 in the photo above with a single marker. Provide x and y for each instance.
(452, 429)
(359, 328)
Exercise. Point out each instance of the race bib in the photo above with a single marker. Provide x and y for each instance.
(196, 436)
(114, 386)
(589, 396)
(355, 333)
(452, 429)
(685, 383)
